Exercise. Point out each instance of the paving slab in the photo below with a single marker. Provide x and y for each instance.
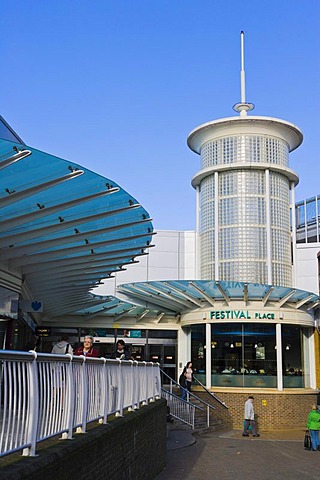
(226, 455)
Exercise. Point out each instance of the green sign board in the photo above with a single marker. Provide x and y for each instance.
(135, 334)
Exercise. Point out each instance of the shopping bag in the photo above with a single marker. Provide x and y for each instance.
(249, 427)
(307, 441)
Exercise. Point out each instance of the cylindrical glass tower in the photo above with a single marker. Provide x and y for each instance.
(244, 198)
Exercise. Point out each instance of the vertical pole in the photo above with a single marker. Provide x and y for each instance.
(310, 380)
(208, 355)
(242, 73)
(279, 357)
(317, 216)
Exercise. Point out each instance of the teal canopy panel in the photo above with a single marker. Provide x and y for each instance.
(65, 228)
(182, 296)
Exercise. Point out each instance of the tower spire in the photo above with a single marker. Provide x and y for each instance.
(243, 107)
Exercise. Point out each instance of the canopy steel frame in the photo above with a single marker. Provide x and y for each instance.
(64, 240)
(207, 297)
(44, 211)
(23, 236)
(57, 254)
(28, 192)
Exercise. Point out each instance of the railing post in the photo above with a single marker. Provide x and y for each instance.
(84, 396)
(137, 384)
(69, 399)
(157, 382)
(120, 390)
(134, 386)
(33, 413)
(145, 378)
(105, 394)
(131, 408)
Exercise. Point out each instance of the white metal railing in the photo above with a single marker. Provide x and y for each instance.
(43, 395)
(178, 404)
(182, 410)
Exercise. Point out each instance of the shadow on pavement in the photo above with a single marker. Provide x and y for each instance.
(226, 455)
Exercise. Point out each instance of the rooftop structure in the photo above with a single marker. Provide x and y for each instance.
(243, 214)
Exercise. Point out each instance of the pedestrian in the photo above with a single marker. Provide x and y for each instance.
(63, 347)
(189, 375)
(121, 352)
(87, 348)
(249, 418)
(313, 424)
(183, 385)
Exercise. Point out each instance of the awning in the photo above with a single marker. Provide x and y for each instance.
(64, 228)
(183, 296)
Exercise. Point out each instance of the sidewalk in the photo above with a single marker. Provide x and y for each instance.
(226, 455)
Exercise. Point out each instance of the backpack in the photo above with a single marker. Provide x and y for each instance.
(182, 381)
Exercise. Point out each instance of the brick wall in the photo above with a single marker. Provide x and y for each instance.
(132, 448)
(274, 411)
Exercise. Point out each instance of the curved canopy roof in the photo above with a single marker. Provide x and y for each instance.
(65, 228)
(185, 295)
(117, 308)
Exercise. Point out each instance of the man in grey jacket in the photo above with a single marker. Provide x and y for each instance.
(249, 418)
(62, 347)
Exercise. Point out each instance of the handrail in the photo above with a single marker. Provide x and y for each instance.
(44, 395)
(210, 393)
(181, 399)
(180, 409)
(190, 393)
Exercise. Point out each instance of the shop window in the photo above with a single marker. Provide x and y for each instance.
(293, 366)
(243, 355)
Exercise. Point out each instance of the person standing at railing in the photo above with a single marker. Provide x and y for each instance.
(189, 375)
(121, 351)
(63, 347)
(87, 348)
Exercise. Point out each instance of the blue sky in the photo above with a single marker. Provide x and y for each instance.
(117, 85)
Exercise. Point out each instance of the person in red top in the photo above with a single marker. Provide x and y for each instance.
(87, 348)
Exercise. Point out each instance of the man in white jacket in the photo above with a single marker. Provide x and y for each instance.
(62, 347)
(249, 418)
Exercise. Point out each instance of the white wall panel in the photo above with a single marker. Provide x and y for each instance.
(307, 267)
(172, 258)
